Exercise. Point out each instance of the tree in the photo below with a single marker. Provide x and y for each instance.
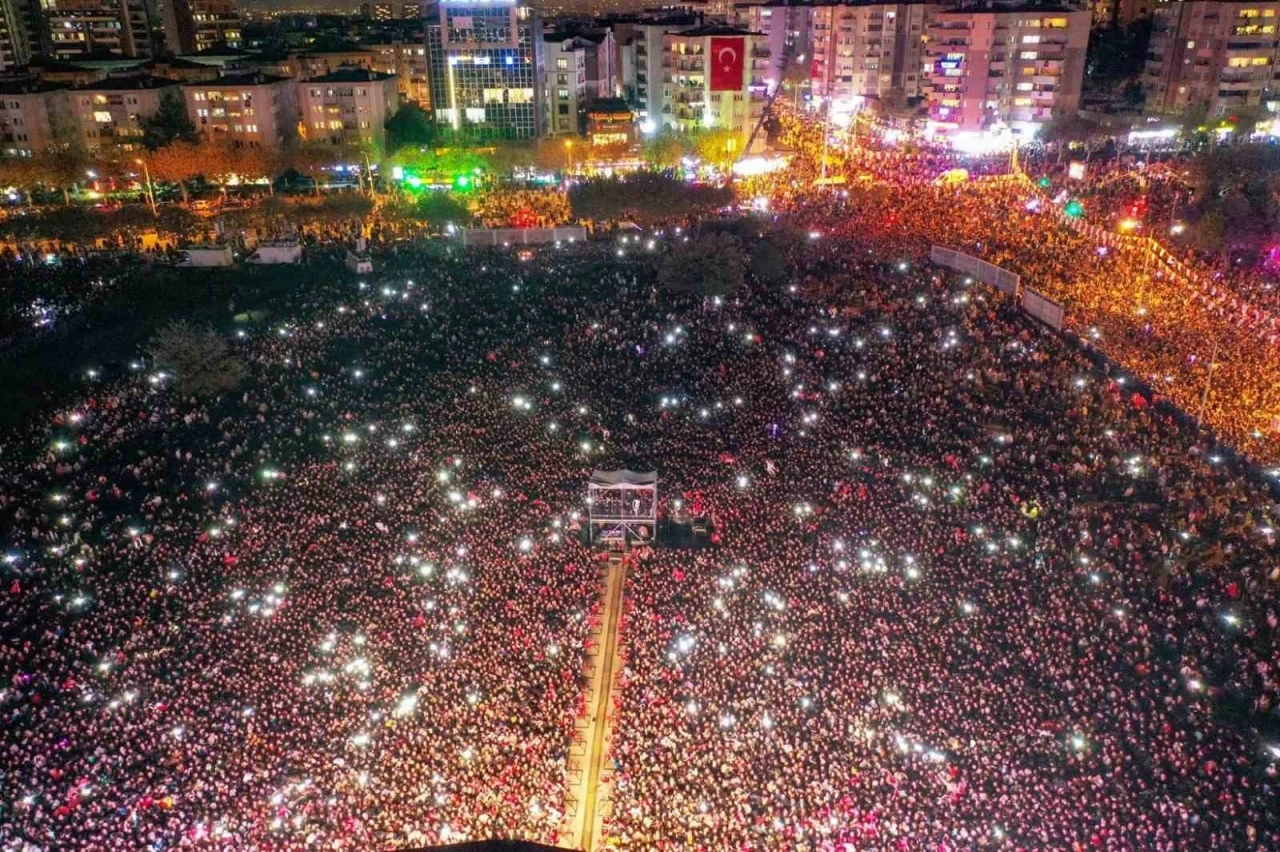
(410, 127)
(201, 362)
(719, 148)
(1210, 232)
(664, 149)
(181, 161)
(643, 195)
(712, 265)
(170, 123)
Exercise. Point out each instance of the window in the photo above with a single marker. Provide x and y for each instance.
(562, 64)
(1031, 39)
(102, 117)
(1025, 87)
(1028, 54)
(563, 94)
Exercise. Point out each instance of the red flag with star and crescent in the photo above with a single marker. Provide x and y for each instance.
(727, 58)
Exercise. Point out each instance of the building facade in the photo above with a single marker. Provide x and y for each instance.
(1211, 59)
(712, 80)
(566, 86)
(869, 52)
(1120, 13)
(107, 115)
(192, 26)
(486, 67)
(408, 61)
(35, 117)
(70, 29)
(245, 110)
(348, 108)
(1017, 68)
(15, 45)
(785, 33)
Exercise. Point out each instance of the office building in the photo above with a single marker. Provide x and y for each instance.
(193, 26)
(245, 110)
(378, 11)
(1009, 68)
(348, 108)
(1211, 59)
(712, 80)
(486, 67)
(868, 53)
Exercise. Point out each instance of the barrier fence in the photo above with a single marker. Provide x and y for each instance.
(521, 236)
(1002, 279)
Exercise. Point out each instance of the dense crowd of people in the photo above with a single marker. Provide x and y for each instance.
(969, 592)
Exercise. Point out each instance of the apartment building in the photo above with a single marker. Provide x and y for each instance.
(74, 28)
(15, 44)
(35, 117)
(408, 61)
(566, 85)
(713, 79)
(1120, 13)
(1211, 59)
(192, 26)
(245, 110)
(869, 52)
(1015, 68)
(785, 32)
(487, 68)
(107, 115)
(348, 108)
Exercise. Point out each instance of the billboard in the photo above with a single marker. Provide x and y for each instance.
(728, 58)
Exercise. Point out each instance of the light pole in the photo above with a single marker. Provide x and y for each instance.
(151, 195)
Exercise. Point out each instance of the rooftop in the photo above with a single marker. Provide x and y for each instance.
(245, 79)
(128, 84)
(715, 30)
(352, 75)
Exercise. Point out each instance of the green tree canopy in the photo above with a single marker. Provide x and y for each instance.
(641, 196)
(410, 127)
(199, 359)
(711, 265)
(170, 123)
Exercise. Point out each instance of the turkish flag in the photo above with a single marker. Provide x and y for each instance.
(727, 57)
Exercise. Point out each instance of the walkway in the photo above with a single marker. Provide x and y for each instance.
(588, 801)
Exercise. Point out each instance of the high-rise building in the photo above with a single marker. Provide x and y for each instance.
(566, 86)
(639, 42)
(1211, 59)
(74, 28)
(868, 52)
(15, 44)
(348, 109)
(192, 26)
(378, 11)
(486, 66)
(785, 32)
(1016, 68)
(712, 79)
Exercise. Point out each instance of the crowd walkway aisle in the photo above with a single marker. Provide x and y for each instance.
(588, 801)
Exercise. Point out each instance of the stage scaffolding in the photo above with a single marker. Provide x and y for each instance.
(623, 506)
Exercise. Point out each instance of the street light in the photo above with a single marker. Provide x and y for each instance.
(151, 195)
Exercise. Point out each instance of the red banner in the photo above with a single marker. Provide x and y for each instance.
(727, 60)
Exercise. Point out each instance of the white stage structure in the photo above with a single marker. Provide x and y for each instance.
(623, 506)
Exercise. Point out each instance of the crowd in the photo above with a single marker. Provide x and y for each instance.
(971, 594)
(968, 593)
